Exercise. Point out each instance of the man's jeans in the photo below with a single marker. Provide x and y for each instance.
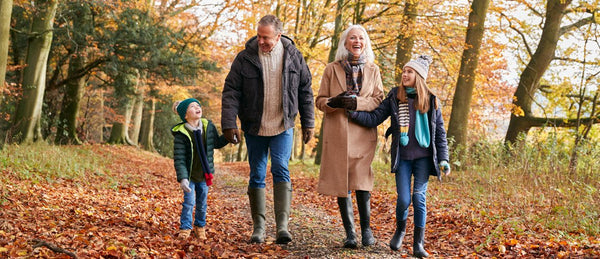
(280, 149)
(420, 168)
(196, 197)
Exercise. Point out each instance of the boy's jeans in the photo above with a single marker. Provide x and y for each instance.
(196, 197)
(420, 168)
(280, 148)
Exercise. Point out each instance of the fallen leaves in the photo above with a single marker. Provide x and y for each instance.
(131, 210)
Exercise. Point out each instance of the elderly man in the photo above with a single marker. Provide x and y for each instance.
(268, 85)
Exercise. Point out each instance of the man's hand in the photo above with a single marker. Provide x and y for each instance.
(232, 135)
(307, 134)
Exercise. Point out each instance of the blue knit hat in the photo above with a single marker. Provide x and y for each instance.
(183, 106)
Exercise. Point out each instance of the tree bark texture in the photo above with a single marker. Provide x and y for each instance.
(529, 82)
(461, 105)
(5, 14)
(27, 115)
(406, 39)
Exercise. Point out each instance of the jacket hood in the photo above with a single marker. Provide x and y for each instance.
(252, 43)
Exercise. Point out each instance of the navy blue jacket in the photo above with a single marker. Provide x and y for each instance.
(389, 107)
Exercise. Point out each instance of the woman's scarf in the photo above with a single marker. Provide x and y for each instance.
(421, 123)
(353, 66)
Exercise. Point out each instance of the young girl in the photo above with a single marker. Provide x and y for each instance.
(419, 145)
(194, 141)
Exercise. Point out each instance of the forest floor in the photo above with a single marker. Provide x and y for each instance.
(131, 210)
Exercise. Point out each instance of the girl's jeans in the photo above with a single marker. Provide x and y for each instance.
(419, 168)
(196, 197)
(279, 147)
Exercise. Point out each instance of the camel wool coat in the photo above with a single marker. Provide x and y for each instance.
(348, 148)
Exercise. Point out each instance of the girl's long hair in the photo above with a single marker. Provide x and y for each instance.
(423, 94)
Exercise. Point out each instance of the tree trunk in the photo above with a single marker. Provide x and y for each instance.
(29, 109)
(67, 125)
(147, 130)
(335, 38)
(461, 104)
(119, 133)
(138, 109)
(529, 82)
(406, 39)
(5, 13)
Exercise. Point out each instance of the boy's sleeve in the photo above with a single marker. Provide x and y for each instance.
(179, 158)
(220, 140)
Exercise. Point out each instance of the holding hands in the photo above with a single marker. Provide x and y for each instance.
(343, 100)
(232, 135)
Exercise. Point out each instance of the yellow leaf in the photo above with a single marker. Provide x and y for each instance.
(22, 253)
(501, 249)
(3, 249)
(111, 248)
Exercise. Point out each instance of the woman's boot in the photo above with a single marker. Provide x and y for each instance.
(419, 241)
(396, 242)
(364, 211)
(282, 197)
(257, 209)
(345, 204)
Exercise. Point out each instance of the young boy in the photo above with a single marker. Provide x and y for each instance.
(195, 139)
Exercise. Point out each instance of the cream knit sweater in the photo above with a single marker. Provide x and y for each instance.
(272, 116)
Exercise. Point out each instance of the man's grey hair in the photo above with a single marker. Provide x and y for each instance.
(342, 53)
(270, 19)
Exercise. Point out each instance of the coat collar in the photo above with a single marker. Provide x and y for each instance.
(340, 74)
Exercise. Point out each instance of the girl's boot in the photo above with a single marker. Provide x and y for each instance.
(396, 242)
(419, 241)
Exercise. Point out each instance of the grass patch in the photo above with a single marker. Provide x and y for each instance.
(41, 162)
(529, 186)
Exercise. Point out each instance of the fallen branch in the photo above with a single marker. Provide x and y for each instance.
(53, 247)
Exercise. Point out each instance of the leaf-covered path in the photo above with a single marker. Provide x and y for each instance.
(131, 210)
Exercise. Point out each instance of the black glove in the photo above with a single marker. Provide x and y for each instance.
(337, 101)
(349, 102)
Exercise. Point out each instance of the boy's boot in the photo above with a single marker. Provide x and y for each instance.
(419, 240)
(200, 233)
(257, 209)
(396, 242)
(364, 211)
(345, 205)
(282, 197)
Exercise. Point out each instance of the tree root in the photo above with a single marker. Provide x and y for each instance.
(52, 247)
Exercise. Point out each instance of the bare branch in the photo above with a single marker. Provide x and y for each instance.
(510, 25)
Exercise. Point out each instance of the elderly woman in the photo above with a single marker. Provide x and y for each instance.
(351, 83)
